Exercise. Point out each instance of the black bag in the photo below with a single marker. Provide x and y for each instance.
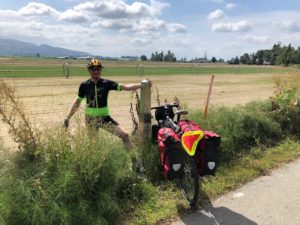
(209, 155)
(172, 161)
(155, 129)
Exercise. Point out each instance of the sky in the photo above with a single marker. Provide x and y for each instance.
(222, 28)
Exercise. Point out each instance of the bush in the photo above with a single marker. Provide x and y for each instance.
(151, 162)
(285, 102)
(74, 179)
(289, 120)
(242, 128)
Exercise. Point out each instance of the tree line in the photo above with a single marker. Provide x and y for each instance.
(278, 55)
(170, 57)
(160, 57)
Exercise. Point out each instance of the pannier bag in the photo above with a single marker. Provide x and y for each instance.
(187, 125)
(171, 153)
(209, 153)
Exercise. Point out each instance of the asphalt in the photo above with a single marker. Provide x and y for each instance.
(268, 200)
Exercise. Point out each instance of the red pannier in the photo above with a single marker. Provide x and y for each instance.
(187, 125)
(208, 156)
(171, 153)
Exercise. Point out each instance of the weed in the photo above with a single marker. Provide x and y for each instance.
(12, 114)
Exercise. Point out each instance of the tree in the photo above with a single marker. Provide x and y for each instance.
(213, 60)
(275, 52)
(285, 56)
(143, 58)
(236, 60)
(245, 59)
(260, 57)
(152, 57)
(38, 55)
(296, 56)
(169, 57)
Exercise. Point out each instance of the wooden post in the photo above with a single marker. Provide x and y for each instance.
(208, 96)
(145, 112)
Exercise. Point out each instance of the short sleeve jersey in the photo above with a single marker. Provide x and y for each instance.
(97, 94)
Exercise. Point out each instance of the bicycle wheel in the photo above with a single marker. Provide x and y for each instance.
(189, 181)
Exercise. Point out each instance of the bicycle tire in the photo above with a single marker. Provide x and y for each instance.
(189, 181)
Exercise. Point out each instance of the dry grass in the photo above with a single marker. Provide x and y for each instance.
(47, 100)
(13, 115)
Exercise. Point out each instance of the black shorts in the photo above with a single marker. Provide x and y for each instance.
(100, 122)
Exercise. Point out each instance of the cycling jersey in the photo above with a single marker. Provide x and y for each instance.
(96, 96)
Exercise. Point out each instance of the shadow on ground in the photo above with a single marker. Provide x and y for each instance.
(209, 215)
(216, 216)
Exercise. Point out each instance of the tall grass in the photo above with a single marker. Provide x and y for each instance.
(13, 115)
(61, 177)
(75, 179)
(241, 128)
(263, 123)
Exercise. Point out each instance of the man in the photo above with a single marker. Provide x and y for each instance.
(96, 90)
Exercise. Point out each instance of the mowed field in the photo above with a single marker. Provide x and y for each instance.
(47, 98)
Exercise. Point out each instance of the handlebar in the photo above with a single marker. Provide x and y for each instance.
(165, 105)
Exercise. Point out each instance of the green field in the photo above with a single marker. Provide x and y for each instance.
(53, 68)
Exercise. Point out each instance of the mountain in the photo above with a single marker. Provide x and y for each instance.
(11, 47)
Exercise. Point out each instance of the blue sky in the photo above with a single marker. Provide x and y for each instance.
(223, 28)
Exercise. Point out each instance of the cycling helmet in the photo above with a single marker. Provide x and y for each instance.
(94, 63)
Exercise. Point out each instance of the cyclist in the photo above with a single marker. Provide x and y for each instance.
(95, 90)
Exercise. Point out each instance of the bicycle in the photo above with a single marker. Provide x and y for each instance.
(186, 151)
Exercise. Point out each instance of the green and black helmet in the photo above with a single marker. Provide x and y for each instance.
(95, 64)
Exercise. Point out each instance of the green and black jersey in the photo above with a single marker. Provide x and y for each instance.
(96, 96)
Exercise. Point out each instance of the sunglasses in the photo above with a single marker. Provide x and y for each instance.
(95, 69)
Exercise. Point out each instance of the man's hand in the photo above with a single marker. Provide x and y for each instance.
(66, 123)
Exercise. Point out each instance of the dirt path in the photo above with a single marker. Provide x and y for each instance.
(269, 200)
(47, 100)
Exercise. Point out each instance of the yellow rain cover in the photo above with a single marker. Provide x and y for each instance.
(190, 140)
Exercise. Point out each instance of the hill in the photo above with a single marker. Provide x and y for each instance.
(11, 47)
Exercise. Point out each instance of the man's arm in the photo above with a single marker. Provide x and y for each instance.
(130, 87)
(74, 108)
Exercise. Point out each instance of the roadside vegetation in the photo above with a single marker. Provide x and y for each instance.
(61, 177)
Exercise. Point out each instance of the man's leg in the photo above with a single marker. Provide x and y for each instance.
(118, 131)
(109, 124)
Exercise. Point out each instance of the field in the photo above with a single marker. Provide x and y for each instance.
(47, 96)
(89, 163)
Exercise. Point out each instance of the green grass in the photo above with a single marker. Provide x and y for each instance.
(56, 71)
(168, 203)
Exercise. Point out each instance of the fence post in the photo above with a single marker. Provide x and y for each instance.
(145, 112)
(208, 96)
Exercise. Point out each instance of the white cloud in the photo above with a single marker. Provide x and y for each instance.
(117, 9)
(290, 26)
(73, 16)
(37, 9)
(217, 14)
(176, 28)
(113, 24)
(230, 6)
(241, 26)
(140, 42)
(148, 24)
(255, 39)
(93, 25)
(33, 26)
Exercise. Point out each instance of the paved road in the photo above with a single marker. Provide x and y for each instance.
(268, 200)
